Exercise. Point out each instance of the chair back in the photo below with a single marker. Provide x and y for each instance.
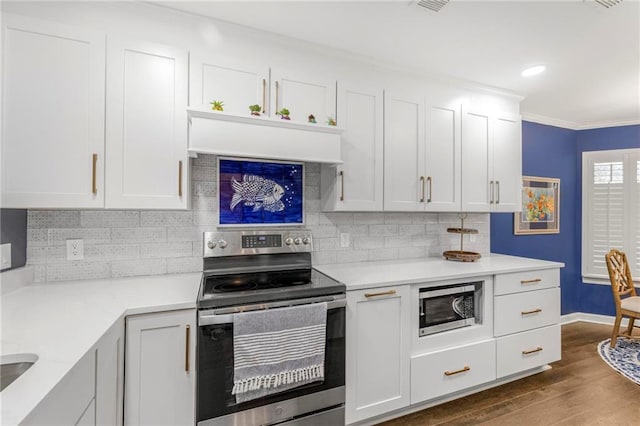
(619, 274)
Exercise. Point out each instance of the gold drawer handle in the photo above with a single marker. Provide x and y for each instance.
(341, 185)
(535, 280)
(186, 347)
(462, 370)
(383, 293)
(94, 166)
(538, 349)
(179, 178)
(535, 311)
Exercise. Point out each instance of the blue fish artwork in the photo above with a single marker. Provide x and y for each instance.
(254, 192)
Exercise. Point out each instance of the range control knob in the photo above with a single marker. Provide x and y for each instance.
(306, 240)
(297, 241)
(288, 241)
(211, 244)
(222, 244)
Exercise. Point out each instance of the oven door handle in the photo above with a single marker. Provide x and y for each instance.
(210, 317)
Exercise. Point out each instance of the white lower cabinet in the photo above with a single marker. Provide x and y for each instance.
(110, 376)
(524, 311)
(451, 370)
(160, 368)
(530, 349)
(377, 356)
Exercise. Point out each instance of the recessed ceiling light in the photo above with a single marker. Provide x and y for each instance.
(533, 70)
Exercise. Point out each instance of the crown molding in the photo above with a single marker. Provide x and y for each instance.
(572, 125)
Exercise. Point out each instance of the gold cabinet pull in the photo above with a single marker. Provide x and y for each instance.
(491, 192)
(277, 87)
(94, 167)
(422, 186)
(264, 94)
(535, 311)
(186, 348)
(341, 173)
(462, 370)
(535, 280)
(382, 293)
(538, 349)
(497, 192)
(429, 180)
(179, 178)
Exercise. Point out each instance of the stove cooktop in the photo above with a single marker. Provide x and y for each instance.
(217, 291)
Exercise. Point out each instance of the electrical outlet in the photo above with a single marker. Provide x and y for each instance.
(6, 256)
(472, 238)
(344, 239)
(75, 249)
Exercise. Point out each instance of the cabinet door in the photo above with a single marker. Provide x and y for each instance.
(356, 184)
(146, 126)
(302, 96)
(237, 84)
(507, 163)
(159, 374)
(442, 141)
(377, 359)
(53, 115)
(404, 179)
(476, 142)
(110, 376)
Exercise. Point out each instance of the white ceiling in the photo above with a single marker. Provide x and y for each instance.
(592, 54)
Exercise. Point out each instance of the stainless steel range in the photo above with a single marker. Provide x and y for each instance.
(249, 271)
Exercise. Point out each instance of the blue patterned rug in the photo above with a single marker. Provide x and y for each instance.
(624, 358)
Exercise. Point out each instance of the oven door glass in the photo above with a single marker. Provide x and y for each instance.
(447, 308)
(215, 369)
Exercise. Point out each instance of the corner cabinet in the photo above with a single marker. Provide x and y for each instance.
(160, 368)
(52, 115)
(491, 161)
(356, 185)
(377, 354)
(146, 132)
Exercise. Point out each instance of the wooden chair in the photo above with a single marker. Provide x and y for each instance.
(624, 293)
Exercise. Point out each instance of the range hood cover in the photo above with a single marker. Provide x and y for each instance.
(262, 137)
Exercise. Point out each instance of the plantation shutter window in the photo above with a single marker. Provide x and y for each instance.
(610, 210)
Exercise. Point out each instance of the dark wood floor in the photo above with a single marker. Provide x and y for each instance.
(579, 390)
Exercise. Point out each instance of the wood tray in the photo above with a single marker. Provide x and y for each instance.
(461, 256)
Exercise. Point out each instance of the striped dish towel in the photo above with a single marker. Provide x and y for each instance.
(278, 349)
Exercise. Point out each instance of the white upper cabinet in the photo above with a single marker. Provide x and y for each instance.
(442, 170)
(404, 179)
(491, 161)
(302, 95)
(236, 84)
(356, 185)
(53, 115)
(146, 125)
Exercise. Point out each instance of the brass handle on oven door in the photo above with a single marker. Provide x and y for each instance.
(462, 370)
(382, 293)
(186, 348)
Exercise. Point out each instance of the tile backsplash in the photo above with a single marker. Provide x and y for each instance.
(131, 243)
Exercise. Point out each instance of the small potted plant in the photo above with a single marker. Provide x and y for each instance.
(255, 109)
(217, 105)
(331, 121)
(284, 114)
(311, 118)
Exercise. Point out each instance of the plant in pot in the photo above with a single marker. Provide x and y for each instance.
(331, 121)
(255, 109)
(217, 105)
(284, 114)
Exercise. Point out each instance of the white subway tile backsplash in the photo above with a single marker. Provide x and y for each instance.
(109, 219)
(150, 242)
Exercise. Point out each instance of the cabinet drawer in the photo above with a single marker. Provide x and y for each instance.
(526, 311)
(530, 349)
(526, 281)
(451, 370)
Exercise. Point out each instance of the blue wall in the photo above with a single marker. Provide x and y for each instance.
(549, 151)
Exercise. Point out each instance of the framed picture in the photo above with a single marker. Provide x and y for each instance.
(540, 207)
(260, 193)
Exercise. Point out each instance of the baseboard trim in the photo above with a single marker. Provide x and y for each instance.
(594, 318)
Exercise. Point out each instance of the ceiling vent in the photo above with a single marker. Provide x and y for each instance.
(436, 5)
(606, 4)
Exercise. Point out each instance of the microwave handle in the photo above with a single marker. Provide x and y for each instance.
(205, 318)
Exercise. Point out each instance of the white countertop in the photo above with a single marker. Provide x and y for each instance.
(60, 322)
(363, 275)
